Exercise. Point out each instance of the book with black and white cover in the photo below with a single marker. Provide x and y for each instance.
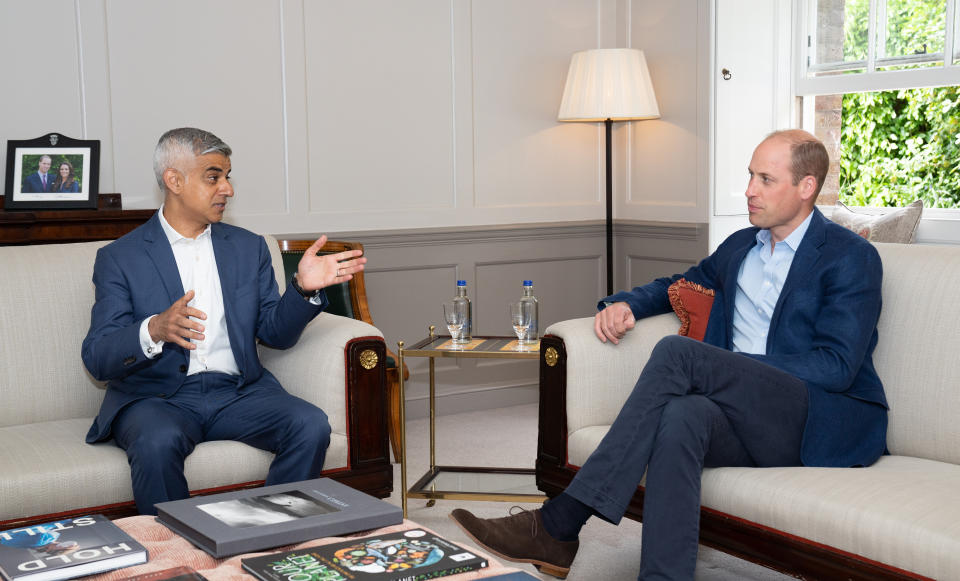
(410, 555)
(67, 548)
(255, 519)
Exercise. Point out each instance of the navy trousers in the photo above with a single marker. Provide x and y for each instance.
(158, 434)
(694, 405)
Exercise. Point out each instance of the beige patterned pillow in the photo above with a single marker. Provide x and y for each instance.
(899, 225)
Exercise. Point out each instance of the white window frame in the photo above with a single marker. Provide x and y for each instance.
(871, 79)
(938, 225)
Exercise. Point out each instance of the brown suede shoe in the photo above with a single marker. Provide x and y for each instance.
(520, 537)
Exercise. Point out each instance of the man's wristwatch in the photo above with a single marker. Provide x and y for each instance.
(313, 297)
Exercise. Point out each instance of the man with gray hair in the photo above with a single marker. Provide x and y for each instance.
(180, 304)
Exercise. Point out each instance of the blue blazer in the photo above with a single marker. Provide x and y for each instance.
(136, 276)
(823, 331)
(73, 188)
(33, 185)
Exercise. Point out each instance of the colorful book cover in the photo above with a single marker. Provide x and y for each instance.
(411, 555)
(181, 573)
(67, 548)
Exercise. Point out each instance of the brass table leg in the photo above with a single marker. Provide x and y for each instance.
(403, 433)
(433, 427)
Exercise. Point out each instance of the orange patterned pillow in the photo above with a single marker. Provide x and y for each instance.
(692, 303)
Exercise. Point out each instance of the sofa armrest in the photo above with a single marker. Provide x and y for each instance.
(600, 376)
(315, 369)
(339, 365)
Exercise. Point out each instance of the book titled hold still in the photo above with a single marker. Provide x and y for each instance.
(67, 548)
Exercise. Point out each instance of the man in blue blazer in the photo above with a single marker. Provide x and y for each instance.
(784, 376)
(180, 305)
(39, 182)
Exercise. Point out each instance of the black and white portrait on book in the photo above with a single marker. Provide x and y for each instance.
(266, 509)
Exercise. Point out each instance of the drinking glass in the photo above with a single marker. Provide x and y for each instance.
(455, 317)
(520, 319)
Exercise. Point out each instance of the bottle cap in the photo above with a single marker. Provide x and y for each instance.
(528, 283)
(461, 283)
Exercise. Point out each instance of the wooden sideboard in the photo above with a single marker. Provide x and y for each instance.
(109, 221)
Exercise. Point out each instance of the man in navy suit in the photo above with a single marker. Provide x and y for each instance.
(180, 304)
(784, 376)
(40, 181)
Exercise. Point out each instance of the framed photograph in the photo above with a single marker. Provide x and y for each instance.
(52, 172)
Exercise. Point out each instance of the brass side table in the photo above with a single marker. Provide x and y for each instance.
(451, 482)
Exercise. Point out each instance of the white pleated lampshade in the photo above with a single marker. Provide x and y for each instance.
(608, 83)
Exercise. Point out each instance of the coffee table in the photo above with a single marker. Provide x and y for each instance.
(463, 482)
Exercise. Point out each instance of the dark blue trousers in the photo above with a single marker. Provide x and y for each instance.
(158, 434)
(694, 405)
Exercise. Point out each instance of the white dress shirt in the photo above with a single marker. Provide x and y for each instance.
(198, 272)
(759, 283)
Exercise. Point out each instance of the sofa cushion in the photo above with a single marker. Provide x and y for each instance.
(916, 354)
(901, 511)
(899, 225)
(47, 292)
(56, 471)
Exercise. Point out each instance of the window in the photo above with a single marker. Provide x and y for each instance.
(874, 45)
(878, 83)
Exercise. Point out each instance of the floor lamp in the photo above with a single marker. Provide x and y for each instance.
(608, 84)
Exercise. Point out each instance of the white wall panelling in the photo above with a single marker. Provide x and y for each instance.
(41, 80)
(205, 64)
(363, 114)
(668, 157)
(517, 89)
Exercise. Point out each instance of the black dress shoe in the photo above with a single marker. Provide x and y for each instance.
(520, 537)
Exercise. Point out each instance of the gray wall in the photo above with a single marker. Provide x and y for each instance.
(410, 273)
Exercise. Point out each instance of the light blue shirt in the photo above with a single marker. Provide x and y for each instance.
(759, 283)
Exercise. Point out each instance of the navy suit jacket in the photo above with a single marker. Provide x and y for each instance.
(136, 276)
(33, 185)
(823, 331)
(73, 188)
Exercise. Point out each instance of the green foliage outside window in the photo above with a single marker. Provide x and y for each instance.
(903, 145)
(899, 146)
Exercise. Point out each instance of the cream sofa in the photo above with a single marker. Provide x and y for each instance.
(899, 518)
(49, 400)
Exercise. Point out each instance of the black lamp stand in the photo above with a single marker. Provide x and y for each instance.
(609, 126)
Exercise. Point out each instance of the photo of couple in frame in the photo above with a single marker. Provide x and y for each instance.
(52, 172)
